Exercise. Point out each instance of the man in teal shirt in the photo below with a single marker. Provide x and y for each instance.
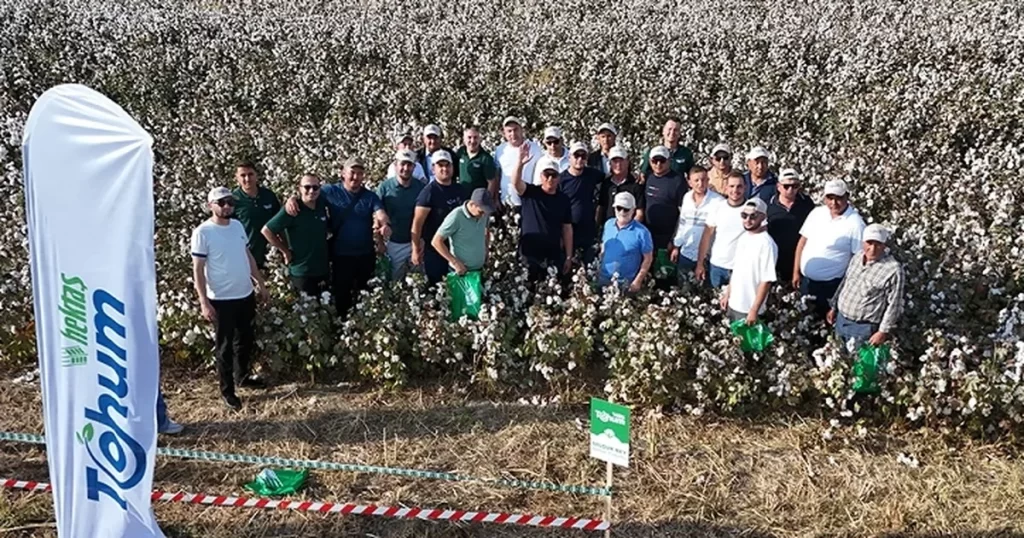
(306, 234)
(254, 206)
(398, 194)
(680, 158)
(465, 228)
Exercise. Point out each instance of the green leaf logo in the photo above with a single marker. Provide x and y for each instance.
(87, 433)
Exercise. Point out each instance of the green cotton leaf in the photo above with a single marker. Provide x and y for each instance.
(79, 437)
(87, 432)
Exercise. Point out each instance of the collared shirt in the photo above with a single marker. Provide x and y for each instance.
(474, 171)
(400, 205)
(831, 242)
(717, 180)
(427, 163)
(417, 172)
(351, 219)
(692, 221)
(680, 160)
(623, 250)
(609, 188)
(467, 236)
(872, 292)
(306, 236)
(765, 190)
(254, 212)
(784, 225)
(599, 161)
(506, 156)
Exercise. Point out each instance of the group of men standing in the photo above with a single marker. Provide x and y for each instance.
(736, 231)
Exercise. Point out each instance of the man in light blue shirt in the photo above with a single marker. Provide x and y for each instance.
(627, 249)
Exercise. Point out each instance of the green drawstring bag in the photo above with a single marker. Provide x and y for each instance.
(870, 362)
(383, 268)
(663, 267)
(467, 293)
(754, 337)
(278, 482)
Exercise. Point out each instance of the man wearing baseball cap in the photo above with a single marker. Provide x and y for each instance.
(477, 169)
(663, 192)
(224, 270)
(580, 183)
(620, 180)
(721, 165)
(435, 201)
(432, 136)
(254, 206)
(465, 230)
(627, 250)
(546, 231)
(404, 141)
(507, 157)
(399, 195)
(869, 302)
(829, 239)
(753, 270)
(760, 180)
(554, 150)
(680, 157)
(787, 211)
(606, 136)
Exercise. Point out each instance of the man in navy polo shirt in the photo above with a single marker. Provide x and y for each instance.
(580, 183)
(627, 250)
(546, 230)
(663, 192)
(761, 182)
(435, 201)
(354, 211)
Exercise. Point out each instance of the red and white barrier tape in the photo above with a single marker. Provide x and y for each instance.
(358, 509)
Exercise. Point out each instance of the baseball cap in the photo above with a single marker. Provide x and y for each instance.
(399, 138)
(624, 199)
(511, 119)
(405, 155)
(218, 193)
(836, 187)
(552, 132)
(354, 162)
(757, 204)
(660, 151)
(608, 127)
(548, 163)
(482, 198)
(440, 155)
(578, 146)
(431, 130)
(757, 152)
(721, 147)
(789, 174)
(876, 232)
(617, 152)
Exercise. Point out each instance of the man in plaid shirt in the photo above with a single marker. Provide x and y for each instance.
(869, 301)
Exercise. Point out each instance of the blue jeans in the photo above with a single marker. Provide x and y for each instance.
(161, 411)
(822, 291)
(859, 332)
(719, 276)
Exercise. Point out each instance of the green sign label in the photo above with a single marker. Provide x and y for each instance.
(609, 432)
(74, 323)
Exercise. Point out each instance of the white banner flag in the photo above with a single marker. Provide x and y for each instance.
(89, 199)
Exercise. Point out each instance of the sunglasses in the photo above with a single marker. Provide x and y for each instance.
(722, 157)
(550, 175)
(312, 188)
(659, 160)
(749, 216)
(552, 141)
(788, 186)
(623, 209)
(226, 202)
(579, 155)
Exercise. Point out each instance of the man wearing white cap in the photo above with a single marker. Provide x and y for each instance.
(627, 250)
(693, 216)
(435, 201)
(869, 302)
(663, 191)
(680, 157)
(224, 271)
(546, 230)
(507, 157)
(606, 136)
(754, 267)
(399, 195)
(787, 211)
(760, 180)
(829, 238)
(404, 142)
(432, 136)
(721, 165)
(722, 232)
(620, 180)
(554, 150)
(580, 183)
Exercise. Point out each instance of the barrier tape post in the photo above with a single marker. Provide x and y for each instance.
(429, 514)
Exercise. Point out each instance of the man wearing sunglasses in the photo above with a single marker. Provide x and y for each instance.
(620, 180)
(580, 183)
(305, 238)
(787, 211)
(627, 250)
(254, 206)
(224, 270)
(753, 270)
(761, 181)
(721, 233)
(663, 192)
(554, 150)
(829, 238)
(546, 231)
(680, 156)
(399, 194)
(721, 166)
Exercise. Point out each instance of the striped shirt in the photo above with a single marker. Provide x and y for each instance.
(872, 292)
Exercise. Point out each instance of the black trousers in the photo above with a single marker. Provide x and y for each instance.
(310, 285)
(234, 340)
(350, 276)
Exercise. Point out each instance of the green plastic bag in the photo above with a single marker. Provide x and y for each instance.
(754, 337)
(663, 267)
(869, 363)
(383, 268)
(467, 293)
(278, 482)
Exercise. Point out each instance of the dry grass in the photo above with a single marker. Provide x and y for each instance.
(692, 477)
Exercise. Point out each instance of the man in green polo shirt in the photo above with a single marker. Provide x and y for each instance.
(465, 228)
(680, 158)
(306, 235)
(476, 165)
(254, 206)
(399, 194)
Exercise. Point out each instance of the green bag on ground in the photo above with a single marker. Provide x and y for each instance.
(754, 337)
(383, 268)
(663, 267)
(278, 482)
(869, 363)
(467, 293)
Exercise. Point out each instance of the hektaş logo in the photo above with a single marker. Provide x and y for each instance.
(74, 329)
(122, 459)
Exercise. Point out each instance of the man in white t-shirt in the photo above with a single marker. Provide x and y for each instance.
(693, 216)
(224, 270)
(404, 142)
(506, 156)
(721, 232)
(753, 269)
(829, 238)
